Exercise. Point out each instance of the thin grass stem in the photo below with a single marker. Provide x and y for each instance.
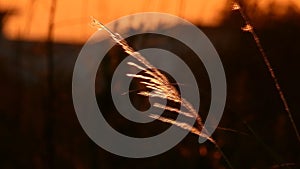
(249, 28)
(162, 88)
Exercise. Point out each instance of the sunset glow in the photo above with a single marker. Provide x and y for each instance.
(30, 18)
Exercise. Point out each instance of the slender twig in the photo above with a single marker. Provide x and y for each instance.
(274, 155)
(248, 27)
(283, 165)
(50, 101)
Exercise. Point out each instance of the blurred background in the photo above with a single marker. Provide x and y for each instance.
(40, 42)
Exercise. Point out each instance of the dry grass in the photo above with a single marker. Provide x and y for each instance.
(161, 87)
(155, 81)
(249, 28)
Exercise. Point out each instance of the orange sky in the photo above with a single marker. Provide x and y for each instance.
(72, 17)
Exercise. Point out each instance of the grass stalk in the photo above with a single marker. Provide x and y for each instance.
(249, 28)
(162, 88)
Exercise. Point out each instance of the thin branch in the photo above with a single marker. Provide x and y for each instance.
(249, 28)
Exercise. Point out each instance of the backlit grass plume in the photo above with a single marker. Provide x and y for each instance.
(154, 80)
(161, 87)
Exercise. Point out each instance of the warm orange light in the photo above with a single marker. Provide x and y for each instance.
(277, 7)
(203, 151)
(72, 18)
